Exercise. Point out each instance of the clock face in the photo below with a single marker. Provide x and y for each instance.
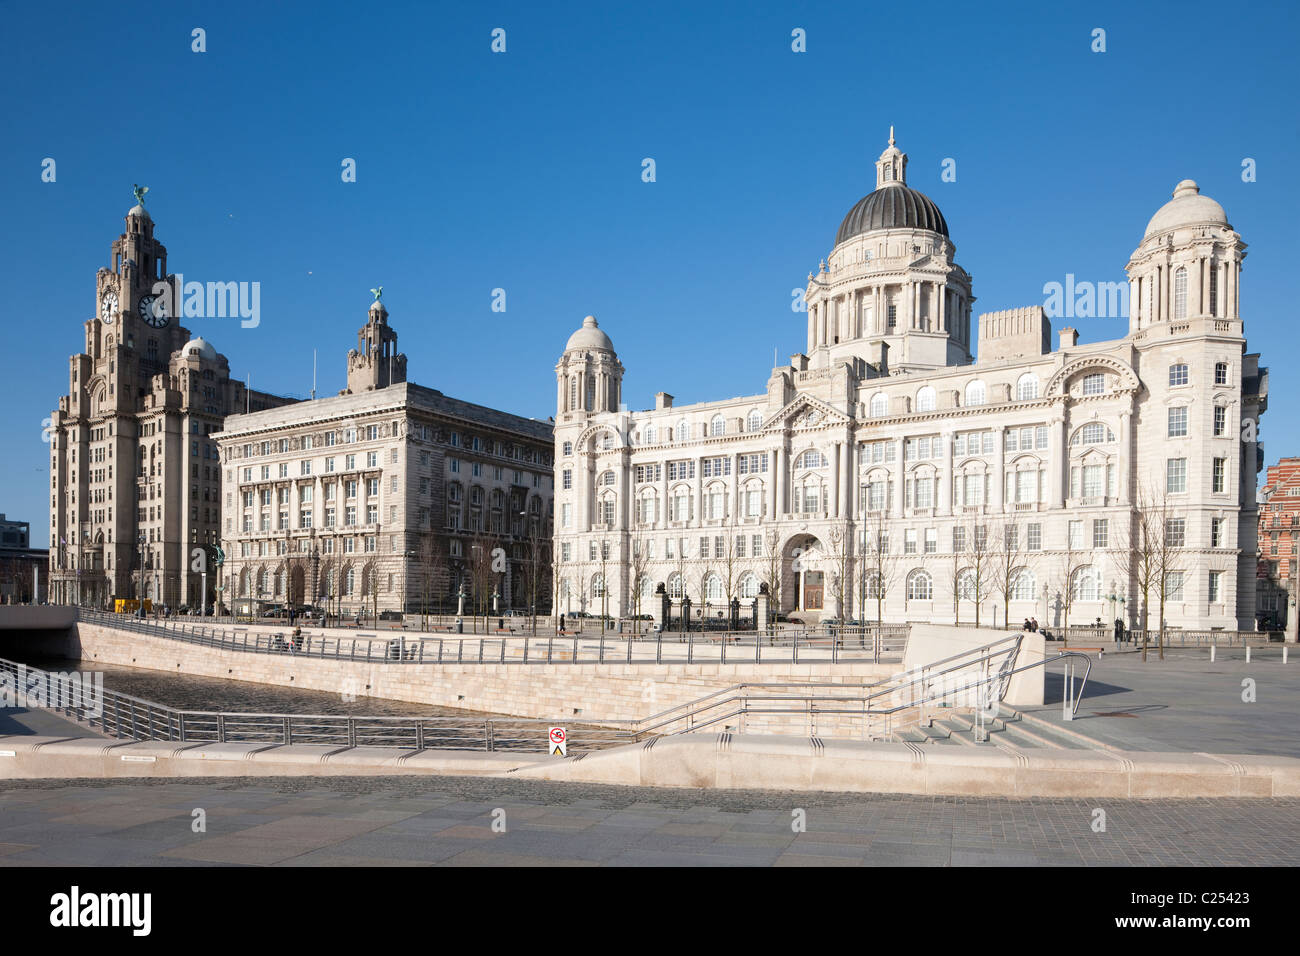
(151, 311)
(108, 309)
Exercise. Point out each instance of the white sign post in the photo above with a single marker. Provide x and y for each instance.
(559, 742)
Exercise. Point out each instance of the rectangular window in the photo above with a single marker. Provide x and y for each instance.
(1076, 535)
(1214, 586)
(1178, 375)
(1220, 421)
(1175, 475)
(1175, 532)
(1101, 533)
(1034, 537)
(1220, 371)
(1216, 532)
(1094, 384)
(1177, 422)
(1174, 586)
(1219, 476)
(757, 545)
(931, 540)
(909, 541)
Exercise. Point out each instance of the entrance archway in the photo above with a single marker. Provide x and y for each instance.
(803, 570)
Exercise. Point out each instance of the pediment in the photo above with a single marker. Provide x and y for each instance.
(806, 412)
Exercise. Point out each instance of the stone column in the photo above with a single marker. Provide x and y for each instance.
(1056, 472)
(941, 293)
(1127, 457)
(999, 469)
(779, 461)
(834, 508)
(943, 494)
(1134, 300)
(846, 477)
(900, 487)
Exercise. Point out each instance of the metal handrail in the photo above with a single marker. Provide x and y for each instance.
(399, 647)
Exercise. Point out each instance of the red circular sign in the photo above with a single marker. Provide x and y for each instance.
(557, 735)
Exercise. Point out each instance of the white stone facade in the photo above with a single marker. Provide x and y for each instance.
(887, 427)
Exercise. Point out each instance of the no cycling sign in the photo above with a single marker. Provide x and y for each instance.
(559, 742)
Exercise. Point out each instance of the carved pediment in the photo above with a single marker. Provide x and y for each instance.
(805, 412)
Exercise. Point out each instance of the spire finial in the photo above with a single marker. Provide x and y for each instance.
(891, 134)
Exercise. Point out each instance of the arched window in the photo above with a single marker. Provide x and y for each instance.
(350, 581)
(812, 458)
(713, 589)
(717, 426)
(925, 399)
(675, 586)
(1093, 433)
(966, 586)
(871, 586)
(1180, 293)
(1085, 585)
(748, 587)
(608, 507)
(1022, 588)
(879, 405)
(755, 421)
(920, 586)
(683, 431)
(975, 393)
(650, 435)
(606, 478)
(1027, 387)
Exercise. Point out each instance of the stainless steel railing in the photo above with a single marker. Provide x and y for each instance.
(850, 645)
(126, 717)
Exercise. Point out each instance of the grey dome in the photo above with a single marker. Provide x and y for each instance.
(892, 206)
(589, 337)
(138, 210)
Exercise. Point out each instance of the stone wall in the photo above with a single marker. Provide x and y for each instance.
(587, 692)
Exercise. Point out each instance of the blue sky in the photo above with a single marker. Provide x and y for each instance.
(522, 171)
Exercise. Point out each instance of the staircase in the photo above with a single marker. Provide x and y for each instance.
(1010, 728)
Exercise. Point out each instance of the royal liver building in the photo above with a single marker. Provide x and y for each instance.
(901, 467)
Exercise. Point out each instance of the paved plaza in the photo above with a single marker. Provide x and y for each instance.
(405, 821)
(1185, 703)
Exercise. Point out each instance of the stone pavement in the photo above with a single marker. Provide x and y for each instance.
(408, 821)
(1185, 703)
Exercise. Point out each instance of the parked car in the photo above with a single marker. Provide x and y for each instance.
(390, 615)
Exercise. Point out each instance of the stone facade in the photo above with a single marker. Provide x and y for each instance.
(378, 498)
(135, 485)
(886, 459)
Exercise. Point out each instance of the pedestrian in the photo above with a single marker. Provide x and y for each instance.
(1033, 624)
(561, 623)
(1026, 626)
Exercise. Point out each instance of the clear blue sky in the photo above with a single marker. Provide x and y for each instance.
(522, 171)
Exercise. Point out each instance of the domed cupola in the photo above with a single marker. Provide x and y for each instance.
(1187, 266)
(589, 375)
(894, 204)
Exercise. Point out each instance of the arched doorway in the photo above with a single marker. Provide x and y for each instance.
(803, 563)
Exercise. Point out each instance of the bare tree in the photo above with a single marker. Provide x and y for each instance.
(772, 560)
(535, 573)
(1006, 563)
(1072, 559)
(879, 566)
(480, 573)
(638, 570)
(955, 570)
(978, 579)
(1170, 532)
(841, 555)
(1140, 561)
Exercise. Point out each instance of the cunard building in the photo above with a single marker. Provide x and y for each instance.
(135, 481)
(948, 467)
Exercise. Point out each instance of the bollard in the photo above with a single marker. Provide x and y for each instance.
(1211, 653)
(1284, 650)
(1247, 653)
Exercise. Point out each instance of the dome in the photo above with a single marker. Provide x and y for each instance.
(892, 206)
(1187, 208)
(589, 337)
(138, 210)
(201, 346)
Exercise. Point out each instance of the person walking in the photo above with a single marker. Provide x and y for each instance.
(561, 623)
